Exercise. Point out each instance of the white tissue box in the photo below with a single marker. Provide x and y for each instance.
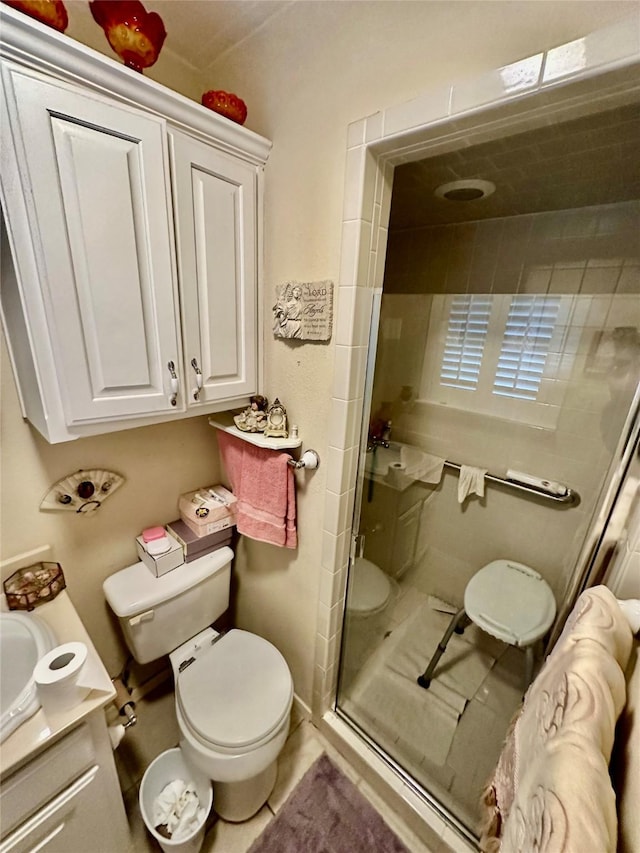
(162, 563)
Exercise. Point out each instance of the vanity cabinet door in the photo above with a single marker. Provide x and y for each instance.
(66, 799)
(72, 821)
(215, 209)
(88, 178)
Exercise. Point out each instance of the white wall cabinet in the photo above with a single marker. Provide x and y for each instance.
(93, 174)
(131, 262)
(215, 223)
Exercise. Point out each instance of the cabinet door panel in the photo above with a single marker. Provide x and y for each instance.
(97, 176)
(216, 253)
(103, 289)
(215, 220)
(71, 822)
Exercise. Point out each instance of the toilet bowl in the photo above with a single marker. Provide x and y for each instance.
(369, 589)
(233, 703)
(233, 691)
(369, 596)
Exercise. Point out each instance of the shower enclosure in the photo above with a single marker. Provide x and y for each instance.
(507, 339)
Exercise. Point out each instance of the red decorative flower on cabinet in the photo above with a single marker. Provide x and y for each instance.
(133, 33)
(226, 104)
(49, 12)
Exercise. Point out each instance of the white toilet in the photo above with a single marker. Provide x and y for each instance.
(369, 596)
(233, 691)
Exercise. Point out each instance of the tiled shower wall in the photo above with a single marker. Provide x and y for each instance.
(593, 253)
(583, 250)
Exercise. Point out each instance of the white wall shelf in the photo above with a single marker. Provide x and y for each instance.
(224, 421)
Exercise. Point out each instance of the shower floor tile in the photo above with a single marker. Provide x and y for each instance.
(460, 774)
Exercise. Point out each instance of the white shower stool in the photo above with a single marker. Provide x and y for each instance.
(508, 600)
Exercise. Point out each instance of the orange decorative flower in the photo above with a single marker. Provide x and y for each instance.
(133, 33)
(228, 105)
(49, 12)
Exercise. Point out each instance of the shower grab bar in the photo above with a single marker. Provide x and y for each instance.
(571, 498)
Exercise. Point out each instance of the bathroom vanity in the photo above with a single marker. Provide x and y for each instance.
(131, 241)
(59, 789)
(391, 519)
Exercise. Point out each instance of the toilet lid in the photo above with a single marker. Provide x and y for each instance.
(236, 692)
(369, 587)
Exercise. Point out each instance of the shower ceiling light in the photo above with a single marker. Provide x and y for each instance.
(467, 190)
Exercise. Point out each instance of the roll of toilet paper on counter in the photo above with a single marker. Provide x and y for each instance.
(64, 677)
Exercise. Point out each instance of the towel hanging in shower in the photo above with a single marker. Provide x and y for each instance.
(470, 482)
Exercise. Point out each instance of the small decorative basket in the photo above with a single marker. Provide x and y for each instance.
(34, 585)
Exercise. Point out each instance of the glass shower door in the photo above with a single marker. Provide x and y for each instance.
(536, 383)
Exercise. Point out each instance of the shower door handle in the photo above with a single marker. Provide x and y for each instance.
(358, 546)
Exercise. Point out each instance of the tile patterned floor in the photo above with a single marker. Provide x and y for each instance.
(458, 781)
(303, 746)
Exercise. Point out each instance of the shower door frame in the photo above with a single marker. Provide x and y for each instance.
(479, 110)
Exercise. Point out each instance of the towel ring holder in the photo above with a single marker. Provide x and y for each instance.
(309, 459)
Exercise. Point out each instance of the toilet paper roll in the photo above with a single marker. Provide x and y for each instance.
(397, 476)
(116, 733)
(64, 677)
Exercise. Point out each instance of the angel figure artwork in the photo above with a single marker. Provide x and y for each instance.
(287, 312)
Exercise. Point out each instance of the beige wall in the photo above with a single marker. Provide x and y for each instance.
(159, 462)
(305, 75)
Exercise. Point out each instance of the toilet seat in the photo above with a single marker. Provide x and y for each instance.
(369, 588)
(236, 693)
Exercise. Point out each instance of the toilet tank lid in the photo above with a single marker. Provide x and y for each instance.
(135, 589)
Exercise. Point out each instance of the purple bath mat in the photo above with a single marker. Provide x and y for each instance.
(327, 814)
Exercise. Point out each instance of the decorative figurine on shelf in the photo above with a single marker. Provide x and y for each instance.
(134, 34)
(49, 12)
(276, 421)
(253, 418)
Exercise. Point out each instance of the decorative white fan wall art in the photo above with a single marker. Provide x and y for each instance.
(82, 492)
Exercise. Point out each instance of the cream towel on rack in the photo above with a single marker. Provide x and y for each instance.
(470, 482)
(422, 466)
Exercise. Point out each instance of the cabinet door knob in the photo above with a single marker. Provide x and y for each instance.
(174, 384)
(198, 372)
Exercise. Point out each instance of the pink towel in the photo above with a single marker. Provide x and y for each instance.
(265, 488)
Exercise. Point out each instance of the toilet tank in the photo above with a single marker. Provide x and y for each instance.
(159, 614)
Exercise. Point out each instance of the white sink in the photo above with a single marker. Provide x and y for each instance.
(24, 639)
(399, 465)
(380, 459)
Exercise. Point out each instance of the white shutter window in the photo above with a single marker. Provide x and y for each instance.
(465, 340)
(498, 354)
(525, 346)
